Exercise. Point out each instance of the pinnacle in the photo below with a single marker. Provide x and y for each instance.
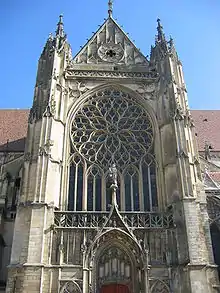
(60, 29)
(161, 35)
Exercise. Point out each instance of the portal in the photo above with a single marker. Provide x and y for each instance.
(115, 288)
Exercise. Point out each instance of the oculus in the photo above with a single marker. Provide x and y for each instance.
(111, 52)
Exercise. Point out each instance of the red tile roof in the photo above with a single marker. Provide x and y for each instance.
(215, 176)
(13, 128)
(207, 124)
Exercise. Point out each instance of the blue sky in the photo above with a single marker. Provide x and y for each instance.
(194, 25)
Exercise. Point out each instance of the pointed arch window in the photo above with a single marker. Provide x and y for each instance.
(94, 188)
(111, 127)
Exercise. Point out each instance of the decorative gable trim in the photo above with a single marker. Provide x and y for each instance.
(110, 44)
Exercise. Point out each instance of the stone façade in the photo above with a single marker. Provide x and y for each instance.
(55, 249)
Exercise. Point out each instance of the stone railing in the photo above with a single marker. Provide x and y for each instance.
(94, 220)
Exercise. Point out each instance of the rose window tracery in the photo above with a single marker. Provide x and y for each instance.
(111, 52)
(104, 128)
(112, 128)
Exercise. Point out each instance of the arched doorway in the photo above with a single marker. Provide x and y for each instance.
(114, 271)
(115, 288)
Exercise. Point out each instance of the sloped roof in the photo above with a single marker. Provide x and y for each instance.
(207, 124)
(209, 182)
(215, 176)
(13, 129)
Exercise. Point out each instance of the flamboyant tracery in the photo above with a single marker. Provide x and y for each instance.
(112, 128)
(114, 267)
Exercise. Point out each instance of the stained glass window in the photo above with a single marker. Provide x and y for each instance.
(112, 128)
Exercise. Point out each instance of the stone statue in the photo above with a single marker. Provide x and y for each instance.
(207, 148)
(113, 175)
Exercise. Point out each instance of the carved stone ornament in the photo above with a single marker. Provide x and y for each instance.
(160, 286)
(71, 287)
(72, 74)
(27, 156)
(111, 52)
(147, 90)
(77, 89)
(46, 148)
(110, 44)
(52, 104)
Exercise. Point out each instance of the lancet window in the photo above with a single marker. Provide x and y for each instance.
(112, 128)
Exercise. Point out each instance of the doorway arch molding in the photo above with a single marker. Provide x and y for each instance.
(123, 241)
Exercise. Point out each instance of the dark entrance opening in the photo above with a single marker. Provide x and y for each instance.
(114, 288)
(215, 235)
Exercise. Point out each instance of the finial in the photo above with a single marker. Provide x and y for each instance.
(110, 7)
(171, 41)
(160, 36)
(171, 44)
(60, 31)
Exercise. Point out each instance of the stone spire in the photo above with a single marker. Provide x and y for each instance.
(60, 29)
(172, 49)
(60, 38)
(161, 46)
(160, 33)
(110, 7)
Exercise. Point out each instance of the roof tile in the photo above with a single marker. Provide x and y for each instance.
(207, 124)
(215, 176)
(13, 129)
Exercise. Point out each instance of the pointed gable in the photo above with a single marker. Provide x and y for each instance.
(110, 45)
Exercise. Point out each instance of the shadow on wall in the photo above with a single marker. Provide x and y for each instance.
(13, 146)
(215, 235)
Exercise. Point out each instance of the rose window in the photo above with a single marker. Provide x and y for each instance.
(112, 128)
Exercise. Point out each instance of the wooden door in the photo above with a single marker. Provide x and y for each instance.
(114, 288)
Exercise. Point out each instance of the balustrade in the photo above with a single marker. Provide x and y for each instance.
(95, 220)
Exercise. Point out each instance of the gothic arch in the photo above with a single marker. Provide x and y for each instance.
(146, 108)
(84, 97)
(71, 287)
(115, 248)
(160, 286)
(99, 243)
